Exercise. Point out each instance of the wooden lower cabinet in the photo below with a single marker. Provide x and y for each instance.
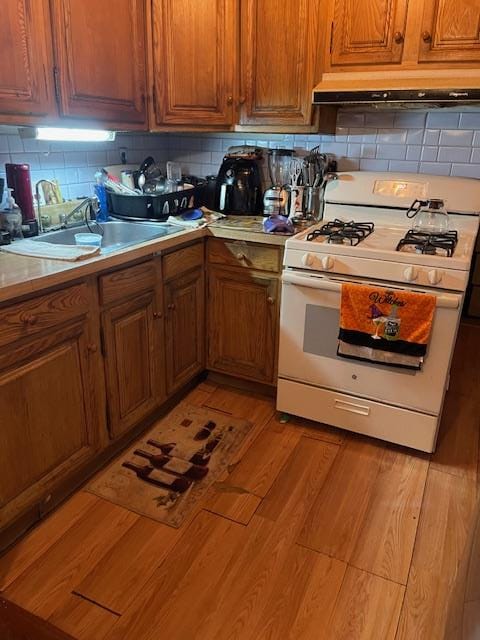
(134, 365)
(49, 381)
(184, 327)
(243, 311)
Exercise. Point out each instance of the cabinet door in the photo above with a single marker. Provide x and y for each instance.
(279, 52)
(243, 323)
(185, 327)
(367, 32)
(48, 421)
(450, 31)
(100, 59)
(194, 58)
(25, 64)
(133, 360)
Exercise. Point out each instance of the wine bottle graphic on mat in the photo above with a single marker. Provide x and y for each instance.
(158, 478)
(177, 466)
(392, 324)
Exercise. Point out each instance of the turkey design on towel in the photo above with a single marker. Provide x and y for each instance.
(388, 326)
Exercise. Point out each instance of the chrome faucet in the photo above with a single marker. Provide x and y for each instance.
(65, 217)
(37, 195)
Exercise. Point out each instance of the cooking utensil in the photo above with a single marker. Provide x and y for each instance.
(148, 162)
(295, 173)
(155, 186)
(174, 176)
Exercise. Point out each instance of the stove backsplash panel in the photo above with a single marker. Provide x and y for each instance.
(442, 141)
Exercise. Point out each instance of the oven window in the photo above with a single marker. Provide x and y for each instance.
(320, 334)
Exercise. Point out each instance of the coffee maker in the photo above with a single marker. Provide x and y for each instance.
(239, 185)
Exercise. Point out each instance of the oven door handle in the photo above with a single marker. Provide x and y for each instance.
(444, 301)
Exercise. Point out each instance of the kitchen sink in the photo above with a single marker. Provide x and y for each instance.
(116, 235)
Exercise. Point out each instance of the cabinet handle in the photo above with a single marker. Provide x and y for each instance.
(171, 307)
(229, 99)
(92, 348)
(157, 314)
(270, 300)
(426, 36)
(30, 319)
(242, 100)
(398, 37)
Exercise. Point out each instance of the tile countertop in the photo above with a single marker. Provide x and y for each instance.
(23, 275)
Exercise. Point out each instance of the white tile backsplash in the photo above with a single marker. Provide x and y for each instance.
(431, 136)
(391, 136)
(456, 137)
(391, 151)
(429, 154)
(454, 154)
(436, 168)
(442, 120)
(445, 142)
(413, 152)
(466, 170)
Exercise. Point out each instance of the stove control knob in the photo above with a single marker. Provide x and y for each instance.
(327, 263)
(308, 259)
(410, 274)
(434, 276)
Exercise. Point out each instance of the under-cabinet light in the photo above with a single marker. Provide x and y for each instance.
(74, 135)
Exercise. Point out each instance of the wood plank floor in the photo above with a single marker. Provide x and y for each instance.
(311, 534)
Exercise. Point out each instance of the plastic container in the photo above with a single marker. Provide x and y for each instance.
(88, 239)
(156, 208)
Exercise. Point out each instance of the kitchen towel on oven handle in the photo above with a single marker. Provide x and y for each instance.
(390, 326)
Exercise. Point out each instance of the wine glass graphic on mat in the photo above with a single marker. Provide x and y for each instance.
(378, 319)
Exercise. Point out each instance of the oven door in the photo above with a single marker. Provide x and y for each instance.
(309, 324)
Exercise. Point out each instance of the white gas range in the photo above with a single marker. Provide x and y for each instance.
(397, 405)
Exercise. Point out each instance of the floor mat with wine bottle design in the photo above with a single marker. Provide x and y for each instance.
(166, 472)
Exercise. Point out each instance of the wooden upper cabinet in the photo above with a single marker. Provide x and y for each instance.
(26, 81)
(367, 32)
(279, 51)
(100, 57)
(450, 31)
(194, 61)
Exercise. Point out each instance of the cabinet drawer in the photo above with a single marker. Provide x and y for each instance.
(32, 316)
(241, 254)
(182, 260)
(124, 283)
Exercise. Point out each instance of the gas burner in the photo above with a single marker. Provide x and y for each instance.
(430, 243)
(339, 232)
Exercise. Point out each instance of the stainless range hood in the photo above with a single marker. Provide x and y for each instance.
(421, 89)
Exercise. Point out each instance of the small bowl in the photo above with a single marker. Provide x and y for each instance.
(88, 239)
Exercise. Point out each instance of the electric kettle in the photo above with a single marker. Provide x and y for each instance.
(430, 216)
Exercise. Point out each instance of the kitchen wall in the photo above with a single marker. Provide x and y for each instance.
(445, 142)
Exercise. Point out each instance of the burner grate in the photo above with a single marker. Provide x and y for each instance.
(339, 232)
(430, 243)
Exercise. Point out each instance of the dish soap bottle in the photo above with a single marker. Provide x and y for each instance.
(101, 193)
